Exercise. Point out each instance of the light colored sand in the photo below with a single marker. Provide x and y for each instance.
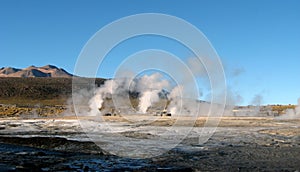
(185, 121)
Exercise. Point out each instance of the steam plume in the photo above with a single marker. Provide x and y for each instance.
(292, 113)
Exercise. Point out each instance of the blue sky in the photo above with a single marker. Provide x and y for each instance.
(260, 38)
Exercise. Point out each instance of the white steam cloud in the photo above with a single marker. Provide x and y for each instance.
(291, 113)
(175, 97)
(149, 86)
(146, 100)
(116, 93)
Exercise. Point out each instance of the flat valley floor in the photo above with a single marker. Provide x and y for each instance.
(60, 144)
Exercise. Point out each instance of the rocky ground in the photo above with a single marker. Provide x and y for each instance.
(31, 111)
(239, 144)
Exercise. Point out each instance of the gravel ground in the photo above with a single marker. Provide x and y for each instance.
(60, 145)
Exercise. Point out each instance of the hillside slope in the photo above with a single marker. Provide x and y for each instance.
(35, 90)
(33, 71)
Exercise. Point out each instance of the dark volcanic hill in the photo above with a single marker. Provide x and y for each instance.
(33, 71)
(38, 90)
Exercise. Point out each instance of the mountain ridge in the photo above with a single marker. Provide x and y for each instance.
(34, 71)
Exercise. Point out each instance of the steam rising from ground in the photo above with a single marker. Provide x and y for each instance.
(175, 97)
(147, 98)
(292, 113)
(152, 92)
(150, 86)
(150, 89)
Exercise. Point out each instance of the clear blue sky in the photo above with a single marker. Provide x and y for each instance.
(259, 37)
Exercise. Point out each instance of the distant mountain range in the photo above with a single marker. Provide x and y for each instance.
(33, 71)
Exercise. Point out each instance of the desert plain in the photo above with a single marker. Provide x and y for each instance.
(39, 133)
(238, 144)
